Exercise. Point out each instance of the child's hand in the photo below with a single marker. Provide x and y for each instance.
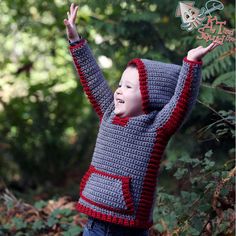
(70, 24)
(198, 53)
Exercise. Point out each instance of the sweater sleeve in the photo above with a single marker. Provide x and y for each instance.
(175, 113)
(91, 77)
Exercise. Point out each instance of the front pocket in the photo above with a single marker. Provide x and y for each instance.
(107, 191)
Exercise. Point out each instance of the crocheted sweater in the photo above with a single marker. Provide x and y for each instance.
(120, 183)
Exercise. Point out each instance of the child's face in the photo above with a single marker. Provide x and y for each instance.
(127, 97)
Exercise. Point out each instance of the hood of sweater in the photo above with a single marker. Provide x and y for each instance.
(157, 81)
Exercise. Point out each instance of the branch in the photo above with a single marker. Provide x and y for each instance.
(223, 118)
(220, 88)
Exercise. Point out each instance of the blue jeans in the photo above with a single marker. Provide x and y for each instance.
(95, 227)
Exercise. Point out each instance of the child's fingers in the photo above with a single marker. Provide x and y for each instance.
(209, 46)
(213, 45)
(216, 45)
(74, 14)
(71, 8)
(65, 22)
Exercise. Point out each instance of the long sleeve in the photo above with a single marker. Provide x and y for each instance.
(91, 77)
(175, 113)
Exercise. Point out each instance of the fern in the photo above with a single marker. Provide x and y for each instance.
(226, 79)
(219, 65)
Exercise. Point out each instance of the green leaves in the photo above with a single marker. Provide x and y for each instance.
(65, 221)
(19, 223)
(73, 231)
(40, 204)
(52, 221)
(226, 79)
(207, 165)
(219, 66)
(180, 173)
(198, 178)
(38, 225)
(45, 118)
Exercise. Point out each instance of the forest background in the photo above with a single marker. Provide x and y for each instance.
(48, 128)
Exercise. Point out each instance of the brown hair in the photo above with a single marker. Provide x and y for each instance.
(132, 66)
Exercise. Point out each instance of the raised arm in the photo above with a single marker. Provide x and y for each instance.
(176, 112)
(91, 77)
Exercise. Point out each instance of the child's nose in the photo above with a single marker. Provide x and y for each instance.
(118, 91)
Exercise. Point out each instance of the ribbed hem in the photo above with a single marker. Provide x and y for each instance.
(193, 62)
(143, 83)
(77, 44)
(113, 219)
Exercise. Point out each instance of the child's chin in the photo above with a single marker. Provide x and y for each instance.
(120, 114)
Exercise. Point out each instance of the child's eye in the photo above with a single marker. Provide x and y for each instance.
(127, 86)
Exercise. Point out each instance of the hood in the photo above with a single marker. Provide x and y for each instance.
(157, 82)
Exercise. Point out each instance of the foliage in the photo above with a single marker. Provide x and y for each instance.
(48, 129)
(204, 204)
(53, 217)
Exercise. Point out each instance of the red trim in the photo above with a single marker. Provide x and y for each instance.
(84, 181)
(149, 185)
(180, 109)
(125, 180)
(193, 62)
(84, 80)
(120, 121)
(163, 135)
(142, 82)
(79, 45)
(113, 219)
(129, 212)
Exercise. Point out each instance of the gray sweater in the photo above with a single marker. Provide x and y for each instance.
(120, 183)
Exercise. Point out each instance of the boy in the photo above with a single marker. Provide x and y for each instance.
(151, 103)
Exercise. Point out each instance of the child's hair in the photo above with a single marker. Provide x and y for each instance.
(132, 65)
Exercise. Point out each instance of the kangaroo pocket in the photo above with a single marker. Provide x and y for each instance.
(107, 191)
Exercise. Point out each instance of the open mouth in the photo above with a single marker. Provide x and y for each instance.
(120, 101)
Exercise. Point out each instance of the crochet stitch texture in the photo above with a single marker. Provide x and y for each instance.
(120, 183)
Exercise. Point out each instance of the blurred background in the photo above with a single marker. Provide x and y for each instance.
(48, 128)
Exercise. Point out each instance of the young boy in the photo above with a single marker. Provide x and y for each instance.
(150, 104)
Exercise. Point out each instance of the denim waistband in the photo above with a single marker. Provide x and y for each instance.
(92, 221)
(111, 227)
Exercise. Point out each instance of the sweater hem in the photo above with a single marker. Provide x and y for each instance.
(113, 219)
